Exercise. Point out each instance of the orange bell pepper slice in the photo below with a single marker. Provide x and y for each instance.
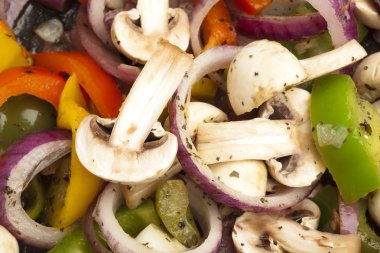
(35, 81)
(217, 27)
(252, 7)
(97, 83)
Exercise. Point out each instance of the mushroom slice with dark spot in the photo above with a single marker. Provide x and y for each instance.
(134, 148)
(158, 21)
(275, 232)
(304, 166)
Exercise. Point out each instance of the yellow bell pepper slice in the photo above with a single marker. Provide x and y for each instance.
(204, 89)
(12, 54)
(83, 186)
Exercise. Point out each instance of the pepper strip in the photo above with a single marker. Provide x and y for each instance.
(98, 84)
(252, 7)
(35, 81)
(217, 26)
(12, 54)
(79, 195)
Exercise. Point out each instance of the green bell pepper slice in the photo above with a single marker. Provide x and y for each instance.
(354, 159)
(133, 221)
(370, 240)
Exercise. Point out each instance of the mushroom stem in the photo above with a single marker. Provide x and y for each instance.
(153, 16)
(258, 138)
(338, 58)
(149, 95)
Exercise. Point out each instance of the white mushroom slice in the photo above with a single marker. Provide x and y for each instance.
(306, 213)
(374, 206)
(274, 232)
(367, 77)
(127, 155)
(365, 11)
(139, 43)
(135, 194)
(305, 166)
(258, 139)
(376, 105)
(247, 176)
(8, 243)
(200, 112)
(154, 238)
(264, 68)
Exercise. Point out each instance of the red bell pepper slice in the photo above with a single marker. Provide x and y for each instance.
(252, 7)
(35, 81)
(98, 84)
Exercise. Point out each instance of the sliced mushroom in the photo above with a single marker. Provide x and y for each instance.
(135, 194)
(305, 166)
(277, 232)
(139, 43)
(136, 149)
(247, 176)
(367, 77)
(8, 242)
(366, 12)
(259, 139)
(264, 68)
(374, 206)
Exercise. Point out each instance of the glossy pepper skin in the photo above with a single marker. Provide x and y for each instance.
(355, 166)
(83, 186)
(370, 240)
(35, 81)
(12, 54)
(133, 221)
(98, 84)
(252, 7)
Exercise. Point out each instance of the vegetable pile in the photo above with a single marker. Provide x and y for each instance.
(189, 126)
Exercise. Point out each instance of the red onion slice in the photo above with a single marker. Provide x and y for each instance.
(13, 9)
(59, 5)
(107, 59)
(198, 15)
(340, 19)
(281, 27)
(90, 232)
(18, 165)
(204, 209)
(209, 61)
(95, 11)
(348, 217)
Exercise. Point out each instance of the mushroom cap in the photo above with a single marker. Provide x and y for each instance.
(259, 71)
(278, 232)
(117, 163)
(304, 167)
(367, 77)
(133, 43)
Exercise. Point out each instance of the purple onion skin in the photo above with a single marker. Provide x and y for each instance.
(377, 4)
(13, 155)
(281, 28)
(58, 5)
(90, 232)
(227, 244)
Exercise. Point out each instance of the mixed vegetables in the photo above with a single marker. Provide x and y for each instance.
(189, 126)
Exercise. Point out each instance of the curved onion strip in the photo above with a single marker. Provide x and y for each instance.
(281, 27)
(209, 61)
(59, 5)
(108, 60)
(340, 19)
(95, 11)
(348, 217)
(203, 208)
(90, 232)
(199, 13)
(18, 165)
(13, 9)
